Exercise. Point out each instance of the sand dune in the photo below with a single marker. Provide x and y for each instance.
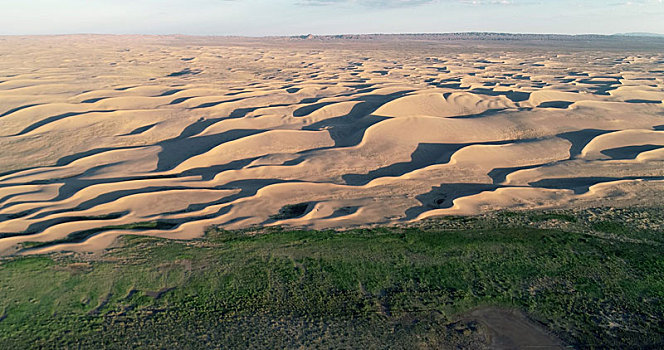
(240, 133)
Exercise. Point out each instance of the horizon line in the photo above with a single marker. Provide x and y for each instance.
(643, 34)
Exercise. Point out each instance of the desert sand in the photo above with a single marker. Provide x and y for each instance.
(98, 132)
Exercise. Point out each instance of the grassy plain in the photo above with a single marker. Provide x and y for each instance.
(594, 278)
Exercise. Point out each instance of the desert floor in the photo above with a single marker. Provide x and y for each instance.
(167, 135)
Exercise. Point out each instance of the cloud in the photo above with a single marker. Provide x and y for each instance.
(368, 3)
(488, 2)
(406, 3)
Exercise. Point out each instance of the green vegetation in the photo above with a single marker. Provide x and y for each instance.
(595, 278)
(291, 211)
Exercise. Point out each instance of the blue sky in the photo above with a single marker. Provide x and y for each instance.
(289, 17)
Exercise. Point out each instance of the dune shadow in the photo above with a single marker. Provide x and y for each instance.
(234, 220)
(170, 92)
(514, 96)
(499, 175)
(139, 130)
(66, 160)
(17, 194)
(110, 197)
(235, 93)
(84, 235)
(186, 71)
(600, 87)
(178, 150)
(181, 99)
(71, 186)
(580, 139)
(56, 118)
(211, 104)
(309, 100)
(39, 227)
(644, 101)
(343, 211)
(425, 154)
(456, 86)
(556, 104)
(93, 100)
(306, 110)
(18, 215)
(581, 185)
(629, 152)
(242, 112)
(247, 188)
(487, 113)
(208, 173)
(17, 109)
(443, 196)
(348, 130)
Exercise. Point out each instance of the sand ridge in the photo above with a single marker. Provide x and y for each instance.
(101, 132)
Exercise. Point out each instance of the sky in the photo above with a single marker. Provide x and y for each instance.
(296, 17)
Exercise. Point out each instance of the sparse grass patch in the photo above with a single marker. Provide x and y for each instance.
(291, 211)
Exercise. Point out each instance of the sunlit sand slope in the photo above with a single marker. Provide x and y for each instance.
(102, 136)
